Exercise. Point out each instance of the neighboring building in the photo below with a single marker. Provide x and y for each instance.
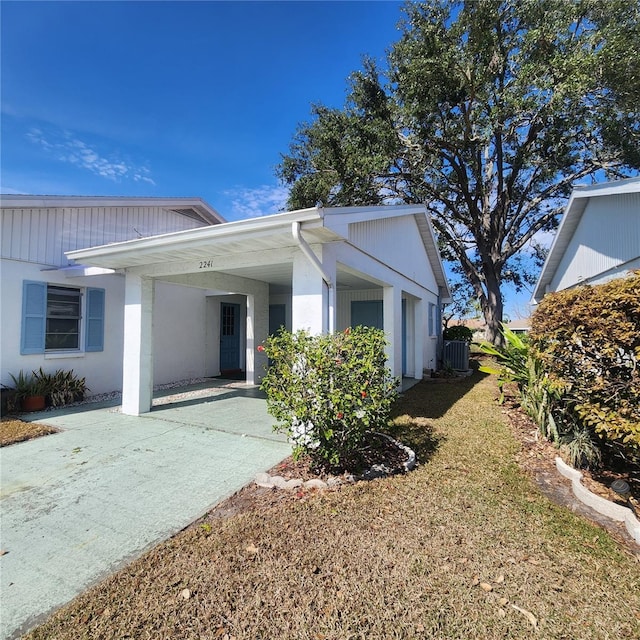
(479, 326)
(131, 292)
(598, 238)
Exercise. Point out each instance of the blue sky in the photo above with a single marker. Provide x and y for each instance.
(173, 98)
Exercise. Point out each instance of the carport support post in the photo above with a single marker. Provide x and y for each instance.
(310, 301)
(392, 322)
(419, 331)
(257, 332)
(137, 363)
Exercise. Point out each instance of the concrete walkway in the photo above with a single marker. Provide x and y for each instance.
(78, 505)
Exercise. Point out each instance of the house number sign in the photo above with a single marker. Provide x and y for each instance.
(206, 264)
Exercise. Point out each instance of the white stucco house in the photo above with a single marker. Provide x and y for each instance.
(598, 238)
(132, 292)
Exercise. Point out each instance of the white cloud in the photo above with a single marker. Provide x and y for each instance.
(257, 201)
(70, 149)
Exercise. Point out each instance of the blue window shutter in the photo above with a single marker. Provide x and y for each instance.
(34, 317)
(94, 328)
(431, 313)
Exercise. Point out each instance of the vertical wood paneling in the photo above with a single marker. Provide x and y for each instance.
(608, 235)
(6, 222)
(43, 235)
(396, 242)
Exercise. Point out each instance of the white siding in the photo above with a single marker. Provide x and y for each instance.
(606, 238)
(43, 235)
(396, 242)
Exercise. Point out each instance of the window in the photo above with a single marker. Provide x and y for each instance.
(52, 318)
(63, 318)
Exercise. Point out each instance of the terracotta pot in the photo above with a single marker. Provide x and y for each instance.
(33, 403)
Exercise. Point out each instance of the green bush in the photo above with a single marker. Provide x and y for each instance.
(513, 359)
(59, 388)
(543, 397)
(588, 339)
(458, 332)
(327, 391)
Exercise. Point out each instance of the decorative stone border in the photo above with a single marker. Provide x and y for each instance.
(601, 505)
(376, 471)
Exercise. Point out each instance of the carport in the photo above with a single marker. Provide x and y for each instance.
(311, 257)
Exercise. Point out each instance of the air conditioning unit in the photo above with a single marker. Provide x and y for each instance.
(456, 354)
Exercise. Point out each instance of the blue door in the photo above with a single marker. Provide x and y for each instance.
(367, 313)
(229, 337)
(277, 317)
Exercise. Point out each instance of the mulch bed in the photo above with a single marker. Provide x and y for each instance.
(537, 458)
(13, 430)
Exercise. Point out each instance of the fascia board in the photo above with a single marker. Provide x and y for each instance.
(571, 218)
(627, 185)
(576, 206)
(339, 216)
(433, 253)
(241, 229)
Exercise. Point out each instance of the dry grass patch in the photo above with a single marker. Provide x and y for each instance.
(13, 430)
(463, 547)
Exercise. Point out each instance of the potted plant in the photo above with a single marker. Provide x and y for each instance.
(29, 391)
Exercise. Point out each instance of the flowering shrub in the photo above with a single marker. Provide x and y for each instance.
(326, 391)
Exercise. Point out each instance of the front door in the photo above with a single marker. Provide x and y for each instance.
(229, 337)
(367, 313)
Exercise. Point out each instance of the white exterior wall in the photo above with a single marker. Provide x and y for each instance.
(605, 244)
(102, 369)
(396, 242)
(180, 323)
(42, 235)
(179, 331)
(33, 240)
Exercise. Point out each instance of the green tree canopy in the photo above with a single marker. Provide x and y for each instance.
(488, 113)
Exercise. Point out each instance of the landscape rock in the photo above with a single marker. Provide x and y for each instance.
(315, 484)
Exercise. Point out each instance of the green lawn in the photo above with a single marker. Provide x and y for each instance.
(464, 547)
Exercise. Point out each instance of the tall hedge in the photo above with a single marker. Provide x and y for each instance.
(589, 339)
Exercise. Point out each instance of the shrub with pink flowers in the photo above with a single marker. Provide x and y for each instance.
(327, 391)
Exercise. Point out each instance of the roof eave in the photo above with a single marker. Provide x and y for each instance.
(179, 238)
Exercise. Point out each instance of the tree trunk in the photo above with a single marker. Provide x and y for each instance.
(492, 309)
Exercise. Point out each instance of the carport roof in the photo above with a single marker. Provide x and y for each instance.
(246, 237)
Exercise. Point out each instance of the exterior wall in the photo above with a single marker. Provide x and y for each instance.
(605, 244)
(396, 242)
(344, 300)
(102, 369)
(43, 235)
(180, 324)
(34, 240)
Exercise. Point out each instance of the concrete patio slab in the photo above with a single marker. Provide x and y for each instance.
(79, 504)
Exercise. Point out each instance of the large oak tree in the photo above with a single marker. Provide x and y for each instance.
(488, 112)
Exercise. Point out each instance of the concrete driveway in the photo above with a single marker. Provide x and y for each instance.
(78, 505)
